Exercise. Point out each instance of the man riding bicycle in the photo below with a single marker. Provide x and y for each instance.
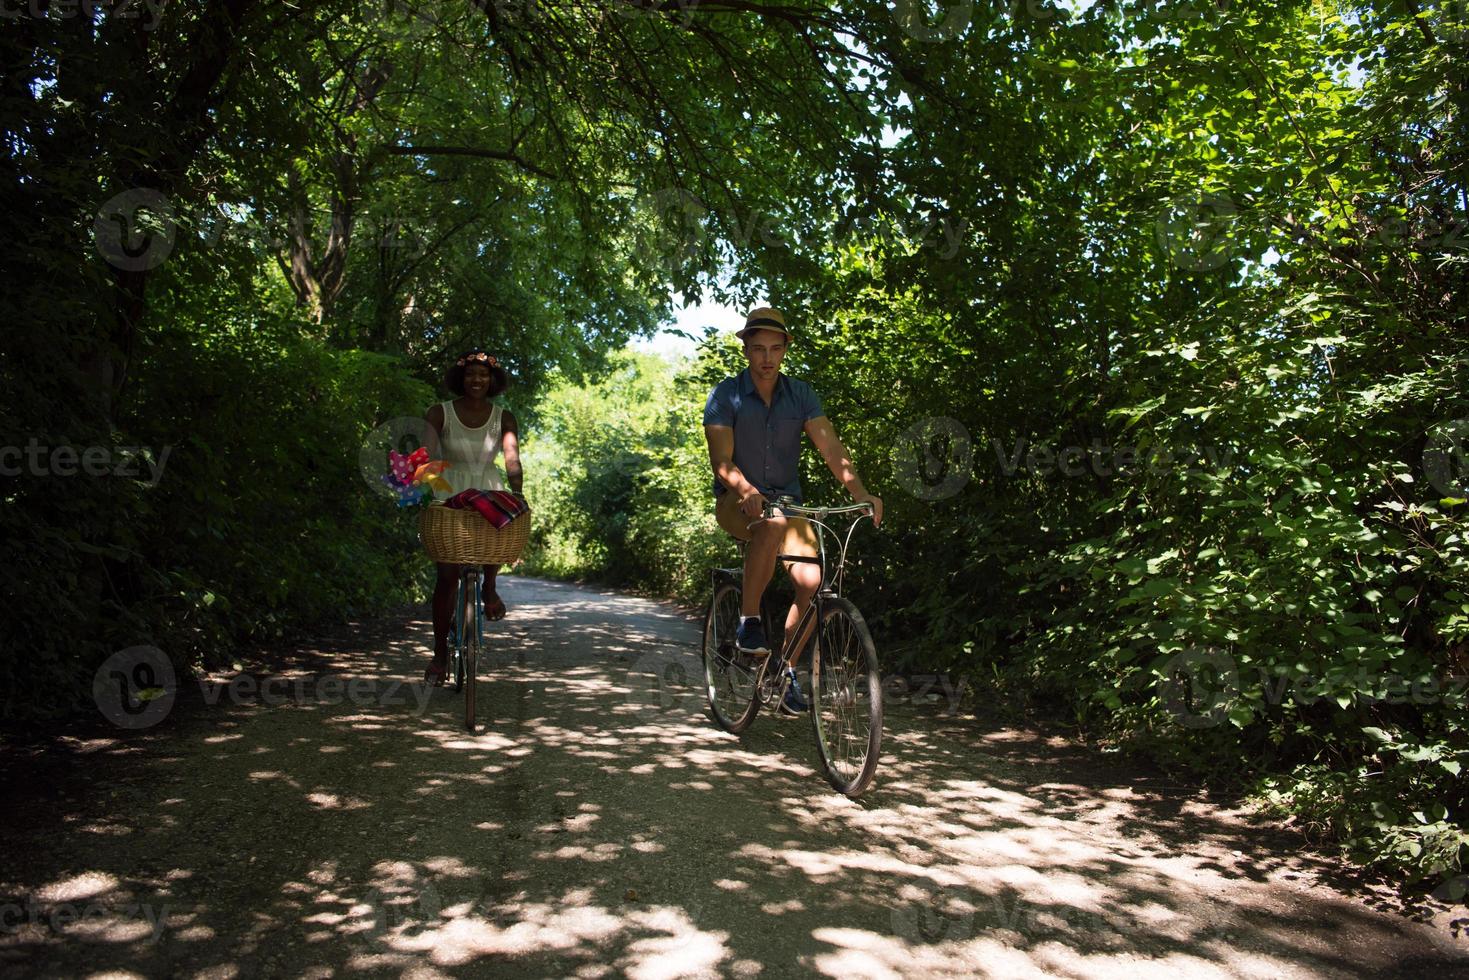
(753, 423)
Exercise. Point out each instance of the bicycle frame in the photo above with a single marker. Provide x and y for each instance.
(467, 582)
(469, 576)
(825, 589)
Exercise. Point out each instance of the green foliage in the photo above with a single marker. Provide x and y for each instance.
(620, 488)
(1189, 276)
(1222, 257)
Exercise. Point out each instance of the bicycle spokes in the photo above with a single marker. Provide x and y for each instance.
(847, 712)
(730, 676)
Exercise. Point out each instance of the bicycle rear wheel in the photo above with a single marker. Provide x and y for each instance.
(846, 698)
(729, 676)
(469, 637)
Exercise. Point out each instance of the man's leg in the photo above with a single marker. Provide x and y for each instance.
(762, 543)
(760, 562)
(800, 540)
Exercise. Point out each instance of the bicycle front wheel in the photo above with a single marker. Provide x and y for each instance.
(729, 676)
(846, 698)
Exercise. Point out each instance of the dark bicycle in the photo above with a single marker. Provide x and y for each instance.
(846, 687)
(469, 637)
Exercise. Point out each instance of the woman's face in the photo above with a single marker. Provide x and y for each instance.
(476, 379)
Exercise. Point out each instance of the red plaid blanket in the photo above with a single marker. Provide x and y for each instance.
(499, 507)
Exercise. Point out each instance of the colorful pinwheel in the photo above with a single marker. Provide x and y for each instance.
(414, 477)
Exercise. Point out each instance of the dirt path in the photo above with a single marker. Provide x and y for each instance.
(340, 824)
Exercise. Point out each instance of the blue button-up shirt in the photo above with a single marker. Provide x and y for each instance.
(767, 439)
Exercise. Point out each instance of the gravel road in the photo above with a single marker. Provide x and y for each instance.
(338, 821)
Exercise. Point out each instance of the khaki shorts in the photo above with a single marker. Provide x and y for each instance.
(800, 536)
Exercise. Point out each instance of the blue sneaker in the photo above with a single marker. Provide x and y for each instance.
(794, 703)
(750, 640)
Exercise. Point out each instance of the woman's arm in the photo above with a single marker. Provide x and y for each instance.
(510, 446)
(435, 417)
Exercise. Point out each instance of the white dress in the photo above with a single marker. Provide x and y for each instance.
(470, 453)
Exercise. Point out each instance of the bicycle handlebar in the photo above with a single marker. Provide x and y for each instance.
(820, 513)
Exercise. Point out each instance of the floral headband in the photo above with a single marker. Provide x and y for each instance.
(487, 358)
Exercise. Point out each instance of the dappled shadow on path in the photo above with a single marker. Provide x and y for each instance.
(602, 826)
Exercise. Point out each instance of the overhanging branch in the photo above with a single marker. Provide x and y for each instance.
(471, 151)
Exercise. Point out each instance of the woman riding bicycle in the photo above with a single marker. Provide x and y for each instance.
(472, 432)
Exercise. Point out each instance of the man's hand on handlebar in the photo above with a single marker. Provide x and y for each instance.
(876, 502)
(752, 505)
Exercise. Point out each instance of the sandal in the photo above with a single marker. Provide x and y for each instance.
(437, 673)
(494, 610)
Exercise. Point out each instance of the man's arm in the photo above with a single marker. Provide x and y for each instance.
(721, 459)
(824, 438)
(510, 448)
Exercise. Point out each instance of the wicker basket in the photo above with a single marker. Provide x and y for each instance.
(464, 537)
